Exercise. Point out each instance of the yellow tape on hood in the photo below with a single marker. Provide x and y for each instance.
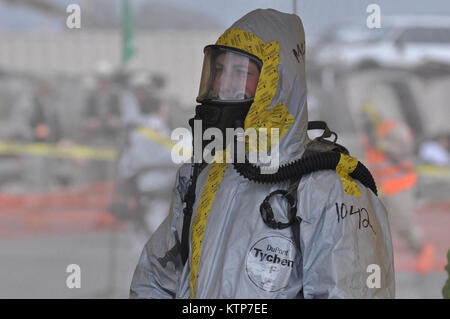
(259, 115)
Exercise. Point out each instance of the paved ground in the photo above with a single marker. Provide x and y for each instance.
(34, 265)
(434, 219)
(36, 268)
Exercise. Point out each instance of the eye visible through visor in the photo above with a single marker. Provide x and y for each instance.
(228, 75)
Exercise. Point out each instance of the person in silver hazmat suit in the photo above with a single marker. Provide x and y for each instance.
(338, 244)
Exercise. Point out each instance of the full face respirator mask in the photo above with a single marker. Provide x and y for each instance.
(227, 88)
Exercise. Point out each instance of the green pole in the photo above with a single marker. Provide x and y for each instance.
(128, 48)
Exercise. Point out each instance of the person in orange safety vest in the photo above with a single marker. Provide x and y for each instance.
(389, 148)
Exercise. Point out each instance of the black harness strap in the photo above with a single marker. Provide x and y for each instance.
(295, 226)
(188, 200)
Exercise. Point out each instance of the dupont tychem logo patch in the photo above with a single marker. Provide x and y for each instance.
(270, 262)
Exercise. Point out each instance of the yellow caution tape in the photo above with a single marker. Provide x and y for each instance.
(432, 170)
(155, 136)
(51, 150)
(158, 138)
(346, 166)
(78, 151)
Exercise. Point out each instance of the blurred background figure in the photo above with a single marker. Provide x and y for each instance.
(389, 155)
(102, 108)
(102, 118)
(45, 128)
(436, 151)
(44, 118)
(145, 168)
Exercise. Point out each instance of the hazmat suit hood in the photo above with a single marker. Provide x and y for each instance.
(280, 98)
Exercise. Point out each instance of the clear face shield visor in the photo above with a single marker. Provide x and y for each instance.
(228, 75)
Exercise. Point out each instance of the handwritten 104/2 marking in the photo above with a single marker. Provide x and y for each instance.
(342, 212)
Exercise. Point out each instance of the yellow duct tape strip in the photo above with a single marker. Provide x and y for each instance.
(199, 225)
(346, 166)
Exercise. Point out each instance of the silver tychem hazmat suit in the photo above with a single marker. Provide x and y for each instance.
(343, 247)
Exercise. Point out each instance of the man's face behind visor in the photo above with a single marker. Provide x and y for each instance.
(228, 75)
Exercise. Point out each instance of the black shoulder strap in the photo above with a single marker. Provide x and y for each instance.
(295, 226)
(189, 200)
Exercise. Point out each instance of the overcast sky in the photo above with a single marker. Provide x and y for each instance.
(316, 14)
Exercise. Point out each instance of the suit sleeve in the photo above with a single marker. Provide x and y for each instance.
(159, 267)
